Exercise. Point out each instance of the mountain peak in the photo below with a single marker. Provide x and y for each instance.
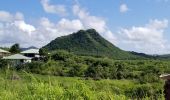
(89, 32)
(87, 42)
(31, 47)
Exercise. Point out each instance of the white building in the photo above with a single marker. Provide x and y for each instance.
(33, 53)
(4, 53)
(17, 59)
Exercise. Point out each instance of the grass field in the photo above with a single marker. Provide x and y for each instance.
(24, 86)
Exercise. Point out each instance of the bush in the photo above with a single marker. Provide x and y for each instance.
(61, 55)
(121, 71)
(35, 67)
(77, 70)
(3, 63)
(140, 91)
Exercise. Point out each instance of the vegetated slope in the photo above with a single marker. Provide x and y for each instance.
(154, 57)
(145, 55)
(88, 42)
(164, 57)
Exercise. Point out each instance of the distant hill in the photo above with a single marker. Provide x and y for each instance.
(144, 55)
(31, 47)
(164, 57)
(156, 57)
(89, 42)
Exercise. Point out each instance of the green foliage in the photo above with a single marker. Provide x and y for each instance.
(43, 52)
(144, 90)
(43, 87)
(63, 63)
(89, 43)
(34, 67)
(61, 55)
(15, 49)
(77, 70)
(3, 64)
(144, 74)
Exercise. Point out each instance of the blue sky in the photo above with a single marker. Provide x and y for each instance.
(138, 25)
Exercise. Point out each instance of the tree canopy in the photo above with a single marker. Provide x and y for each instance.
(15, 48)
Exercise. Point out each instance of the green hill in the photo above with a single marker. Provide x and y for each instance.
(90, 43)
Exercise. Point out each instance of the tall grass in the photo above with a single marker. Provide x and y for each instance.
(39, 87)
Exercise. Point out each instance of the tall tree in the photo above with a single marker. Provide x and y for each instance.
(43, 52)
(15, 48)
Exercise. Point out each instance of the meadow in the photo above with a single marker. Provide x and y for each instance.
(26, 86)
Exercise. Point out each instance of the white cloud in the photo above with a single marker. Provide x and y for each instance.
(90, 21)
(19, 16)
(13, 29)
(123, 8)
(70, 25)
(8, 17)
(54, 9)
(47, 30)
(15, 20)
(5, 16)
(10, 34)
(62, 27)
(24, 27)
(158, 24)
(149, 38)
(16, 30)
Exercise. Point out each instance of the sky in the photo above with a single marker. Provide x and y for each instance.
(132, 25)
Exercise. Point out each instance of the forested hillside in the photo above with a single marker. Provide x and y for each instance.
(89, 43)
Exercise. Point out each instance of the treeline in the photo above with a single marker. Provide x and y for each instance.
(63, 63)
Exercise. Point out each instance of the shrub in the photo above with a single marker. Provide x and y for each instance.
(3, 63)
(77, 70)
(35, 67)
(61, 55)
(140, 91)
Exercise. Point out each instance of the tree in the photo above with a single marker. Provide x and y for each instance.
(15, 48)
(120, 70)
(43, 52)
(3, 63)
(61, 55)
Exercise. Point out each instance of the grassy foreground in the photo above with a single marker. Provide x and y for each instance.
(25, 86)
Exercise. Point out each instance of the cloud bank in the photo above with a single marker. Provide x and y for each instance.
(148, 38)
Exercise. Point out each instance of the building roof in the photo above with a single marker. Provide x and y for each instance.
(165, 76)
(3, 51)
(17, 57)
(31, 51)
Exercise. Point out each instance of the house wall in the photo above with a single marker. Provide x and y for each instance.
(29, 55)
(3, 54)
(17, 62)
(34, 57)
